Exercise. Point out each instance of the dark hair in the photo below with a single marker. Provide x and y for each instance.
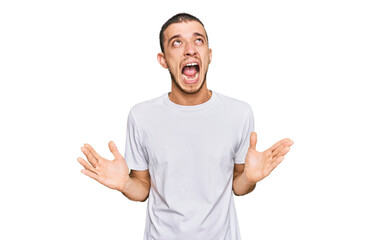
(178, 18)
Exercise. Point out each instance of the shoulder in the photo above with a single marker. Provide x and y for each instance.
(143, 112)
(234, 104)
(145, 107)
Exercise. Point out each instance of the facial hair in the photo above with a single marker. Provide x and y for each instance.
(184, 91)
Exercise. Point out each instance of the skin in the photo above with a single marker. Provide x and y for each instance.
(258, 165)
(183, 42)
(186, 41)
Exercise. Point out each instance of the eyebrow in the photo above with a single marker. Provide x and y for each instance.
(199, 34)
(179, 35)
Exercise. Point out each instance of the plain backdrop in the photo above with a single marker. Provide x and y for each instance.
(71, 70)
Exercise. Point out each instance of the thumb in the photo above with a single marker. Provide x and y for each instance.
(253, 140)
(114, 150)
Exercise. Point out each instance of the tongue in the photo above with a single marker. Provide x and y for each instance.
(190, 71)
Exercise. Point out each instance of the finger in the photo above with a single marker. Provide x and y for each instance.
(253, 140)
(279, 143)
(90, 174)
(280, 148)
(95, 154)
(114, 150)
(283, 152)
(275, 164)
(86, 165)
(91, 158)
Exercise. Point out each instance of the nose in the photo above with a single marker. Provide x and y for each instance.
(189, 50)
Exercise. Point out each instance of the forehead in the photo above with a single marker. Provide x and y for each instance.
(185, 29)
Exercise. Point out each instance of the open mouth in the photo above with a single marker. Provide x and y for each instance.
(190, 72)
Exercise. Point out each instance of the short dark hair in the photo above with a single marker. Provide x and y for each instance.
(178, 18)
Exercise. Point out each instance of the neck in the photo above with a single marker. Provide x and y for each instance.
(189, 99)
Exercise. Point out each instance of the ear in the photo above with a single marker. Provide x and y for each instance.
(210, 55)
(161, 60)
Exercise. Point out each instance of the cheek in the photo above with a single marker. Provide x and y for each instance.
(172, 64)
(205, 63)
(173, 67)
(205, 55)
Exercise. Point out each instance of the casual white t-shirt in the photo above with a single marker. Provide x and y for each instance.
(190, 152)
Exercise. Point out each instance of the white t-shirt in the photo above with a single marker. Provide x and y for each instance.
(190, 152)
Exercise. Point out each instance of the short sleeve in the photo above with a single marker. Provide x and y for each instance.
(244, 144)
(134, 154)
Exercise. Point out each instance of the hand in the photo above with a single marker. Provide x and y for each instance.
(259, 165)
(113, 174)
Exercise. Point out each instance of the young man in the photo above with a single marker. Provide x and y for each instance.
(188, 150)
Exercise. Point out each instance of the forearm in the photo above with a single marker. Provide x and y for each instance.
(136, 190)
(241, 185)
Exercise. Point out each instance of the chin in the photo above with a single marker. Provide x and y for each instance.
(185, 87)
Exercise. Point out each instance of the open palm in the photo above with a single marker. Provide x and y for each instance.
(259, 165)
(113, 174)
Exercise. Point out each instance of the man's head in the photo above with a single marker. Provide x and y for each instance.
(185, 51)
(178, 18)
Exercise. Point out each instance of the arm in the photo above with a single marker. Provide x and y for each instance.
(115, 174)
(241, 184)
(258, 165)
(138, 185)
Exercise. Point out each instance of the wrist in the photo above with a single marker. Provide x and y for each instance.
(126, 184)
(247, 180)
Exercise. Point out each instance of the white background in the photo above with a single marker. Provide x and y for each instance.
(71, 70)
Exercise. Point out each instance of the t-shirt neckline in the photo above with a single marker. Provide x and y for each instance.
(168, 102)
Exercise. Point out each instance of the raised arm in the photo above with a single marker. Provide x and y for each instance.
(115, 174)
(258, 165)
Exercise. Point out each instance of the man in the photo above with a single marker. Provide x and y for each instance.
(188, 150)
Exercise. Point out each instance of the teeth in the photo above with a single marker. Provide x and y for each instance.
(189, 78)
(191, 64)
